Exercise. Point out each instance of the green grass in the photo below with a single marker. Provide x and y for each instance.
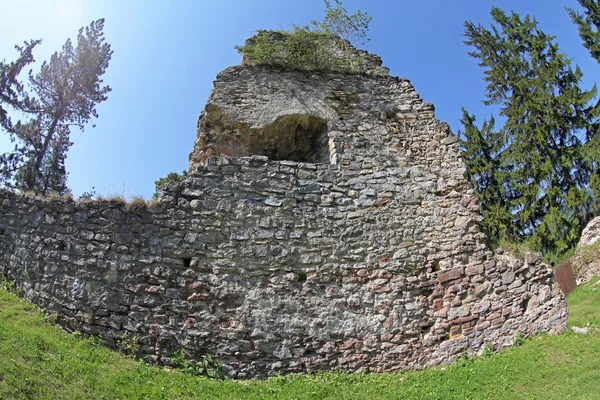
(584, 305)
(39, 361)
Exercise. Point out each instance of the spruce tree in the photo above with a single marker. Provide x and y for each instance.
(483, 150)
(588, 24)
(544, 164)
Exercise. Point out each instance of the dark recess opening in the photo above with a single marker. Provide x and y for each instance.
(435, 266)
(301, 276)
(187, 262)
(292, 137)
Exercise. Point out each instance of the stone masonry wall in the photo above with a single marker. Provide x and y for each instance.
(370, 260)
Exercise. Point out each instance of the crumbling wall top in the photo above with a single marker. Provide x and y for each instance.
(341, 55)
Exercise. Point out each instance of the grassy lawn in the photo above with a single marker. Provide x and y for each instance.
(39, 361)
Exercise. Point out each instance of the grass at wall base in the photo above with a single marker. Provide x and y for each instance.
(39, 361)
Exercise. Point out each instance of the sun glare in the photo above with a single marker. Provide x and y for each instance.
(69, 11)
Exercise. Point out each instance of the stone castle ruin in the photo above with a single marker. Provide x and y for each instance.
(326, 222)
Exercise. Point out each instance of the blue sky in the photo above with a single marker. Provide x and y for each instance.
(167, 53)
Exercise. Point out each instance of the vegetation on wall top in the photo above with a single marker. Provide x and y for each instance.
(321, 45)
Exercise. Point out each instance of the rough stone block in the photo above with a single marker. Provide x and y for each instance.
(450, 275)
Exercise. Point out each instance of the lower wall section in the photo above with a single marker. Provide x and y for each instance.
(174, 276)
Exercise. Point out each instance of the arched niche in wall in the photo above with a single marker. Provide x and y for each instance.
(293, 137)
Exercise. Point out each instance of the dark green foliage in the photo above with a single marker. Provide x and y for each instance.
(11, 89)
(483, 149)
(12, 96)
(533, 175)
(322, 45)
(65, 93)
(171, 177)
(205, 366)
(588, 24)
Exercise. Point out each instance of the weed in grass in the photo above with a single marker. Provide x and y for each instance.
(10, 286)
(129, 345)
(519, 339)
(205, 366)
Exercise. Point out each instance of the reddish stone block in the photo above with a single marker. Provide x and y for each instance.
(381, 202)
(483, 325)
(494, 316)
(450, 275)
(456, 302)
(455, 329)
(468, 325)
(388, 322)
(349, 344)
(468, 331)
(463, 320)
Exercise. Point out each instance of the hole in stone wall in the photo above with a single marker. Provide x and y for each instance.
(435, 266)
(187, 262)
(301, 276)
(293, 137)
(60, 246)
(524, 304)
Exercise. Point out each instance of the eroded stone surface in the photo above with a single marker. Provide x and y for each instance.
(370, 261)
(586, 263)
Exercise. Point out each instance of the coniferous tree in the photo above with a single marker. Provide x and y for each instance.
(11, 89)
(544, 165)
(12, 96)
(66, 91)
(589, 25)
(160, 183)
(483, 150)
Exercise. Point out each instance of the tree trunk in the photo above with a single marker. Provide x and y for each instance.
(40, 156)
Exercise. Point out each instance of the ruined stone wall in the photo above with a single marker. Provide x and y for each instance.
(586, 263)
(369, 259)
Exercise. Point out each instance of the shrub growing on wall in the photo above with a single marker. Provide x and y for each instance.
(322, 45)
